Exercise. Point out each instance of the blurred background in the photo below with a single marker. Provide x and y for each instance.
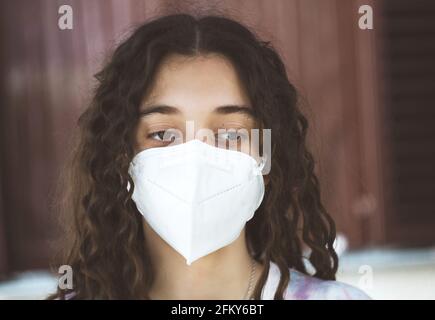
(369, 95)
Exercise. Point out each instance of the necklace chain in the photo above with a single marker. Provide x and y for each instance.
(251, 280)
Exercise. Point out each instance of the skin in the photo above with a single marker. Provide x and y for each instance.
(204, 89)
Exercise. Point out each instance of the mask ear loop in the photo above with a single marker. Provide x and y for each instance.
(261, 165)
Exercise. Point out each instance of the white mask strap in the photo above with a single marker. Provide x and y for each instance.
(261, 165)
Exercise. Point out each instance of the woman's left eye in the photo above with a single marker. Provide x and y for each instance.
(230, 136)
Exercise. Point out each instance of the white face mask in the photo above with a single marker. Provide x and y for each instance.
(195, 196)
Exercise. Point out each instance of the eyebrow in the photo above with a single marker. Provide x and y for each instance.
(162, 109)
(229, 109)
(170, 110)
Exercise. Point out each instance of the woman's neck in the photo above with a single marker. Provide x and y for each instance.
(223, 274)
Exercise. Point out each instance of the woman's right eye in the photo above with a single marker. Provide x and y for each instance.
(158, 135)
(162, 136)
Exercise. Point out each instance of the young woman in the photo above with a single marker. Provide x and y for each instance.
(160, 213)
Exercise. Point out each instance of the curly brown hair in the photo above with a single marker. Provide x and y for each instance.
(105, 243)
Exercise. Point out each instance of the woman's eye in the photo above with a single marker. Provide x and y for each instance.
(162, 135)
(231, 139)
(230, 136)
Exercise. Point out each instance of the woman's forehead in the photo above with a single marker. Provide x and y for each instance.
(193, 84)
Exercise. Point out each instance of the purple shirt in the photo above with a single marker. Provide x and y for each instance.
(305, 287)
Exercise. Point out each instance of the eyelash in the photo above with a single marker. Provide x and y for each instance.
(238, 136)
(153, 134)
(234, 134)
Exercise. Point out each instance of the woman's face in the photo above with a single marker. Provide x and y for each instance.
(204, 90)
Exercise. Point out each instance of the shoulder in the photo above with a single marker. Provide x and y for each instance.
(305, 287)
